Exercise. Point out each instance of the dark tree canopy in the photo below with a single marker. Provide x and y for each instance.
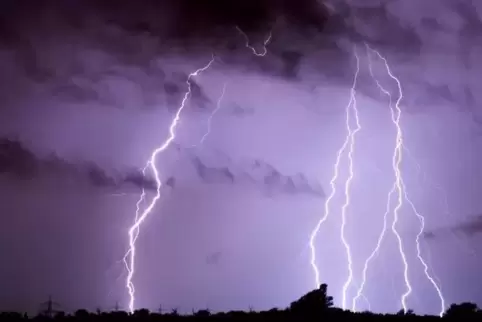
(316, 305)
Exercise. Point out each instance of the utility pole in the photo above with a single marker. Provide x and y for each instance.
(160, 309)
(50, 308)
(116, 307)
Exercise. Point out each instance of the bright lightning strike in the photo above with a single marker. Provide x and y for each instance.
(265, 43)
(131, 252)
(348, 143)
(399, 188)
(419, 254)
(389, 199)
(396, 161)
(345, 206)
(141, 216)
(374, 252)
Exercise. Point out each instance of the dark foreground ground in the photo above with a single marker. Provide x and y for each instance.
(314, 306)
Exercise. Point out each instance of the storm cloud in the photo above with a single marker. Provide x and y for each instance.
(89, 89)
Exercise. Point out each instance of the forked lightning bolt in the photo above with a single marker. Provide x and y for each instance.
(419, 254)
(398, 188)
(387, 211)
(141, 216)
(349, 144)
(265, 43)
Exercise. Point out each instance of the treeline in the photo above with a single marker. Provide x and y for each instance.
(316, 305)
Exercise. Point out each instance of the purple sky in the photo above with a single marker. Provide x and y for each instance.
(89, 90)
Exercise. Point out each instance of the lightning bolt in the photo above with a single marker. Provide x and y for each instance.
(399, 188)
(265, 43)
(349, 144)
(419, 254)
(218, 107)
(443, 199)
(374, 253)
(345, 206)
(141, 216)
(129, 257)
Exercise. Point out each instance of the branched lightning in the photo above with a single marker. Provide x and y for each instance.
(374, 252)
(349, 143)
(399, 188)
(346, 150)
(141, 216)
(419, 254)
(396, 162)
(265, 43)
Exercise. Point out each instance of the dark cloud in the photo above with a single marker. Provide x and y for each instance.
(76, 46)
(260, 173)
(20, 162)
(212, 174)
(291, 63)
(214, 258)
(16, 160)
(48, 46)
(63, 64)
(420, 37)
(470, 227)
(276, 182)
(198, 96)
(429, 235)
(239, 111)
(98, 177)
(208, 18)
(137, 179)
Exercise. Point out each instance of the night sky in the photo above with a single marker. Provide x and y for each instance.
(89, 89)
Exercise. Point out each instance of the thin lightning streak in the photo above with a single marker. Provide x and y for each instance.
(396, 161)
(419, 254)
(401, 190)
(444, 200)
(218, 106)
(265, 43)
(345, 206)
(376, 250)
(374, 253)
(140, 217)
(348, 141)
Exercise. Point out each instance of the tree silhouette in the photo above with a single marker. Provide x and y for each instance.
(59, 315)
(314, 302)
(202, 313)
(316, 305)
(82, 314)
(142, 313)
(462, 310)
(408, 312)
